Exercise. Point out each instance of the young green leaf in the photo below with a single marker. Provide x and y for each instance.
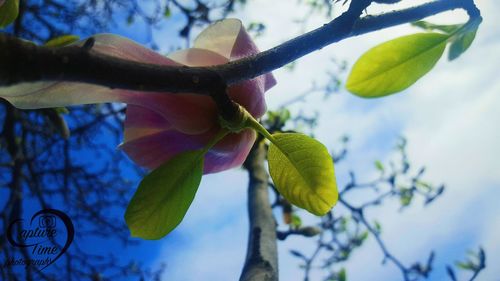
(167, 13)
(461, 43)
(164, 196)
(395, 65)
(296, 221)
(462, 35)
(62, 41)
(302, 171)
(342, 275)
(379, 166)
(8, 12)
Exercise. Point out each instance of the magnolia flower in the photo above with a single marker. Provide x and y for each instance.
(158, 126)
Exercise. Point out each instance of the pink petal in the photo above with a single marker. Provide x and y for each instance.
(197, 57)
(160, 125)
(140, 122)
(220, 37)
(250, 93)
(121, 47)
(153, 150)
(188, 113)
(230, 152)
(230, 39)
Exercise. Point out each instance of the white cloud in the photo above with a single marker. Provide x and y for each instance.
(208, 243)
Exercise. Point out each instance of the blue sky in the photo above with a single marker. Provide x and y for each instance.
(449, 117)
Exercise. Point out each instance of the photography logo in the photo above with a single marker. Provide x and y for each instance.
(42, 240)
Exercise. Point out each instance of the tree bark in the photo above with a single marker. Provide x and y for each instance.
(262, 259)
(22, 61)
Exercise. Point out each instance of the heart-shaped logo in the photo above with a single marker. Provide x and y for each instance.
(46, 238)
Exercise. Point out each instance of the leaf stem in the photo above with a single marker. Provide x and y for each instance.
(254, 124)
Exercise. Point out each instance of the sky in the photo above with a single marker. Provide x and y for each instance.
(449, 117)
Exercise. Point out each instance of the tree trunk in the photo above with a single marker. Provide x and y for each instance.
(262, 259)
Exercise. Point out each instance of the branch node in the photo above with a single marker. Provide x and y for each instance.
(89, 43)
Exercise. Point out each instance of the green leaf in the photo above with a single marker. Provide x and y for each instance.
(302, 171)
(462, 34)
(465, 265)
(379, 166)
(363, 236)
(343, 224)
(8, 12)
(164, 196)
(342, 275)
(439, 27)
(406, 196)
(423, 185)
(461, 43)
(167, 13)
(296, 221)
(395, 65)
(62, 41)
(61, 110)
(290, 66)
(278, 118)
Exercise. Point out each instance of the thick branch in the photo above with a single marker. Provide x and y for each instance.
(24, 62)
(262, 259)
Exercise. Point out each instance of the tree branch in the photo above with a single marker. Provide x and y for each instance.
(262, 258)
(21, 61)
